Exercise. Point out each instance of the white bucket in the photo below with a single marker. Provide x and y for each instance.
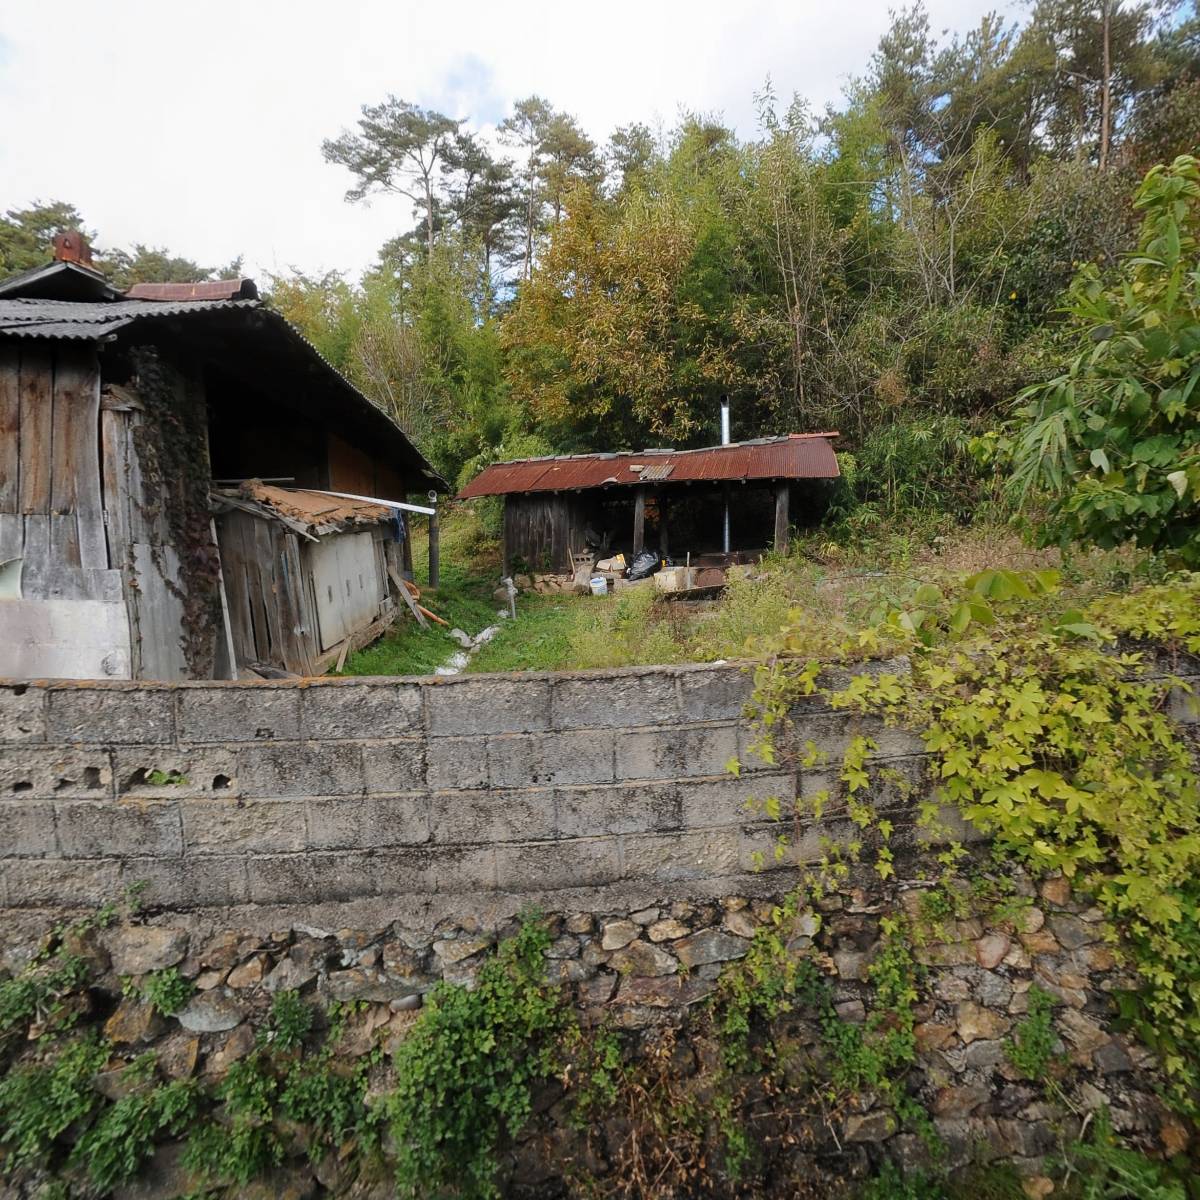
(599, 585)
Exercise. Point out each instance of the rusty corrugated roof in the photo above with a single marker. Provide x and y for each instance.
(794, 456)
(209, 289)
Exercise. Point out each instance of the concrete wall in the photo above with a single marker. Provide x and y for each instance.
(335, 791)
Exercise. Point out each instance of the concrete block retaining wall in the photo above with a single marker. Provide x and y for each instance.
(333, 791)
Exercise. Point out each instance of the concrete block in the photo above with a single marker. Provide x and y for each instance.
(614, 701)
(336, 709)
(354, 823)
(108, 716)
(242, 827)
(677, 856)
(473, 706)
(308, 878)
(166, 772)
(802, 845)
(394, 766)
(676, 753)
(27, 830)
(181, 883)
(398, 821)
(411, 872)
(580, 862)
(1182, 706)
(719, 802)
(593, 811)
(714, 694)
(517, 761)
(456, 763)
(301, 769)
(119, 830)
(58, 883)
(492, 817)
(22, 713)
(58, 772)
(245, 713)
(755, 760)
(832, 733)
(429, 869)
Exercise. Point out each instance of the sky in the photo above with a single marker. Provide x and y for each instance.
(198, 126)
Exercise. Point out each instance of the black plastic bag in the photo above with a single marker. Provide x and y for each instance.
(643, 565)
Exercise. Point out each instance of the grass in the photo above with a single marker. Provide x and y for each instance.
(824, 587)
(470, 568)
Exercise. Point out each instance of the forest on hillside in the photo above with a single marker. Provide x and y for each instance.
(892, 267)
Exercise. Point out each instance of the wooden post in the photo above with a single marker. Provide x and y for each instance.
(782, 491)
(406, 566)
(662, 525)
(639, 521)
(435, 550)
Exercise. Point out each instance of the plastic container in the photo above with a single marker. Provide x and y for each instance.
(599, 585)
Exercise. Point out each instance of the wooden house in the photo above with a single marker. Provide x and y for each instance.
(718, 504)
(123, 420)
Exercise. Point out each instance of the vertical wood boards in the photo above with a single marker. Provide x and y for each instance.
(36, 399)
(10, 434)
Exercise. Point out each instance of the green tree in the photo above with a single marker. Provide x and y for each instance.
(1115, 439)
(27, 234)
(400, 148)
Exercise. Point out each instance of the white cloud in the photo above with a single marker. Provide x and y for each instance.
(199, 127)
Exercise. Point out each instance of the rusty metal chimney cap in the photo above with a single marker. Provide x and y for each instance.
(71, 246)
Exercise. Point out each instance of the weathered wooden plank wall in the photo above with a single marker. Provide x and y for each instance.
(67, 618)
(543, 531)
(270, 611)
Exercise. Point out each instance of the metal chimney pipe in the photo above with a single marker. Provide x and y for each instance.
(725, 442)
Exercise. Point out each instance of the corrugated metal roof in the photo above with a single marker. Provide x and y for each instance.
(26, 317)
(208, 289)
(86, 319)
(794, 456)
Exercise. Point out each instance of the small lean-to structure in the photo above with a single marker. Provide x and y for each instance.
(555, 508)
(128, 422)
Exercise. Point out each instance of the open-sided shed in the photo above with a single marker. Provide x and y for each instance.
(714, 501)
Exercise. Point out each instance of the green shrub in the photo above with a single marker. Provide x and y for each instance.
(467, 1070)
(167, 991)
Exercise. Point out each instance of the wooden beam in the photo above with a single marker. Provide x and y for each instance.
(639, 521)
(413, 607)
(662, 525)
(782, 492)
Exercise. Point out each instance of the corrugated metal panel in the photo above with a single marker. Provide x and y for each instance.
(797, 456)
(209, 289)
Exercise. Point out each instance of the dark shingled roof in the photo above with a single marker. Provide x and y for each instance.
(793, 456)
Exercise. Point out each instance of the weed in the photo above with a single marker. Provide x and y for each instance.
(290, 1022)
(1031, 1047)
(167, 991)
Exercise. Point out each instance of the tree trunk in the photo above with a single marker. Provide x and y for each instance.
(1106, 16)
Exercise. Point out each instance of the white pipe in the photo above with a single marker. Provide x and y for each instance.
(725, 442)
(370, 500)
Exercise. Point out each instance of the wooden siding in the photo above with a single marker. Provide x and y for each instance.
(543, 531)
(51, 511)
(271, 582)
(67, 617)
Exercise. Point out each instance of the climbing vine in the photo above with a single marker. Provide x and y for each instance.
(1052, 734)
(171, 443)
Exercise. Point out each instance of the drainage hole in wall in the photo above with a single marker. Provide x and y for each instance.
(221, 782)
(22, 785)
(91, 777)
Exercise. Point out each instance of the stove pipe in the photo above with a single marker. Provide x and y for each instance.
(725, 442)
